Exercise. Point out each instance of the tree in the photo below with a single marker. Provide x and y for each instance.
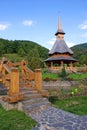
(33, 59)
(21, 51)
(82, 59)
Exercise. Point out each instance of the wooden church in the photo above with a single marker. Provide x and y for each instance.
(60, 55)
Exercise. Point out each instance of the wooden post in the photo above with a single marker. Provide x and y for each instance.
(38, 79)
(61, 64)
(3, 75)
(22, 71)
(13, 94)
(71, 66)
(3, 71)
(51, 64)
(14, 86)
(23, 63)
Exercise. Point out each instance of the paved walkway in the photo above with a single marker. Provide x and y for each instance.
(56, 119)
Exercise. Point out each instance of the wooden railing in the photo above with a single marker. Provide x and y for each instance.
(72, 69)
(82, 69)
(12, 74)
(35, 77)
(59, 68)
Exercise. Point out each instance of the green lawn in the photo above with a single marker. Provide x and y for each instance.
(51, 76)
(74, 76)
(15, 120)
(76, 105)
(78, 76)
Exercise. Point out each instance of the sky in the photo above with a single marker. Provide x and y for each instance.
(37, 20)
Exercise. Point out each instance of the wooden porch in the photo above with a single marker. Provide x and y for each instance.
(58, 66)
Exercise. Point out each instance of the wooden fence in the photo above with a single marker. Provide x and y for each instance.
(12, 74)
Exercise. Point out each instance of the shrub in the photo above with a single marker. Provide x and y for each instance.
(54, 79)
(47, 79)
(63, 74)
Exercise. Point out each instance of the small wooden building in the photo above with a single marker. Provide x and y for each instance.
(60, 54)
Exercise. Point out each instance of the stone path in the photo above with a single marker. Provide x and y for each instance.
(56, 119)
(3, 90)
(51, 118)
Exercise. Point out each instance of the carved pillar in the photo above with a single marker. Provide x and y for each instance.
(51, 64)
(23, 63)
(38, 79)
(84, 66)
(22, 71)
(71, 65)
(3, 71)
(13, 94)
(3, 75)
(14, 85)
(61, 64)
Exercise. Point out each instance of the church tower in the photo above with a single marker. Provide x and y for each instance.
(60, 53)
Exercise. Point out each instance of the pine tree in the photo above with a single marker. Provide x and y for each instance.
(63, 74)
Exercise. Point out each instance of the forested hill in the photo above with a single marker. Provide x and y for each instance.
(34, 53)
(80, 53)
(21, 49)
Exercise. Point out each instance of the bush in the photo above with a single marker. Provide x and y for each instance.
(54, 79)
(53, 99)
(63, 74)
(47, 79)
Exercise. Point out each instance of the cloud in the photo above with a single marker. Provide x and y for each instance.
(83, 25)
(70, 44)
(28, 23)
(84, 35)
(4, 26)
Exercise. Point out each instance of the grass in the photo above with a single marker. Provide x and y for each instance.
(78, 76)
(51, 76)
(74, 76)
(76, 105)
(15, 120)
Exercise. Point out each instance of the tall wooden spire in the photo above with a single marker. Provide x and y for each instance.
(59, 24)
(60, 33)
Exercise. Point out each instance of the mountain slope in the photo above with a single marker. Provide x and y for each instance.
(35, 53)
(21, 46)
(20, 49)
(80, 53)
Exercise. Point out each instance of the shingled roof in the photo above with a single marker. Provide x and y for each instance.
(60, 47)
(59, 31)
(59, 58)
